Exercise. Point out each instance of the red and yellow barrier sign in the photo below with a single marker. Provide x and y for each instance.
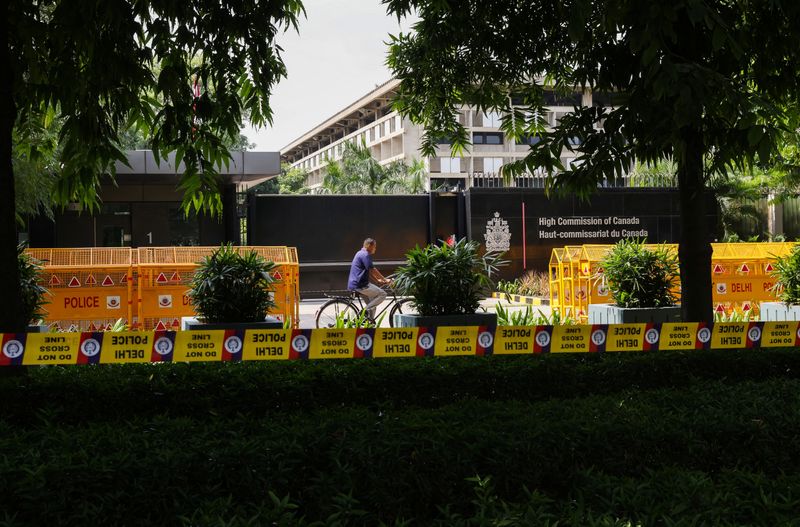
(91, 288)
(31, 349)
(741, 274)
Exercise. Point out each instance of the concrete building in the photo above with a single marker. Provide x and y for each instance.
(143, 206)
(391, 137)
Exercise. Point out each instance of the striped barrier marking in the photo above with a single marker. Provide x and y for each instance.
(32, 349)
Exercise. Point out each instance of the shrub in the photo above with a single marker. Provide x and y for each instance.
(535, 283)
(509, 287)
(650, 439)
(33, 294)
(640, 277)
(447, 279)
(787, 274)
(231, 287)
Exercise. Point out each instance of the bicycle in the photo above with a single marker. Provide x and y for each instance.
(349, 308)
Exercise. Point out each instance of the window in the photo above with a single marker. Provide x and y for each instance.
(182, 231)
(528, 140)
(487, 138)
(491, 120)
(559, 99)
(445, 184)
(491, 165)
(450, 165)
(607, 99)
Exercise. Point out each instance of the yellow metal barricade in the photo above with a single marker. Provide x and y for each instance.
(576, 297)
(165, 274)
(741, 274)
(564, 272)
(90, 288)
(556, 276)
(591, 279)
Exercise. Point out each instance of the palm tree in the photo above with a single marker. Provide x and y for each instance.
(416, 176)
(360, 173)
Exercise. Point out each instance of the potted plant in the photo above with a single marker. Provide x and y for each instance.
(230, 290)
(447, 283)
(786, 272)
(33, 293)
(642, 283)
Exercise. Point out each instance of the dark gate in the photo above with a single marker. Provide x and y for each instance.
(328, 230)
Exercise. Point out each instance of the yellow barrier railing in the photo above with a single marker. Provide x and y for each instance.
(90, 288)
(740, 273)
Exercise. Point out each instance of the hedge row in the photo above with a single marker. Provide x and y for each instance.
(684, 439)
(260, 388)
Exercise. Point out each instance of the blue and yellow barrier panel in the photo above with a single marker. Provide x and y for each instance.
(38, 349)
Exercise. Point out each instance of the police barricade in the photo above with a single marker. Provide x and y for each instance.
(741, 275)
(31, 349)
(166, 272)
(593, 287)
(89, 288)
(555, 276)
(565, 293)
(591, 277)
(740, 272)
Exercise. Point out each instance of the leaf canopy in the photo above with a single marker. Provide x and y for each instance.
(186, 71)
(728, 68)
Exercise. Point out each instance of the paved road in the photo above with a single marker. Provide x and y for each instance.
(308, 310)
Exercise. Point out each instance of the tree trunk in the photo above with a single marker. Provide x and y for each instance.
(10, 312)
(694, 248)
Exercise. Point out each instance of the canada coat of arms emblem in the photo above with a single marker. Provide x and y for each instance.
(498, 237)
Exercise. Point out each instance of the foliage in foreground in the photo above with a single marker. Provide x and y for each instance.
(34, 295)
(447, 279)
(638, 276)
(232, 287)
(532, 283)
(787, 276)
(665, 438)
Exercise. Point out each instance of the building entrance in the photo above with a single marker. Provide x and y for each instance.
(112, 226)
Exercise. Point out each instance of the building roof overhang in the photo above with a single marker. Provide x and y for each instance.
(374, 101)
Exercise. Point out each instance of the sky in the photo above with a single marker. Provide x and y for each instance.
(337, 57)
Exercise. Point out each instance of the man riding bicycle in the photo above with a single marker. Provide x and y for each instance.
(361, 270)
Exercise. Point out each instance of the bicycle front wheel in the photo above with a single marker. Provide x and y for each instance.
(336, 312)
(404, 307)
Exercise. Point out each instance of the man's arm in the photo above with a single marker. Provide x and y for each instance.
(377, 277)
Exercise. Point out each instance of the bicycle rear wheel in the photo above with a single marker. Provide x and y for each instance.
(335, 311)
(403, 307)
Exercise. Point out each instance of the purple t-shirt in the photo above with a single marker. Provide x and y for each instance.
(359, 270)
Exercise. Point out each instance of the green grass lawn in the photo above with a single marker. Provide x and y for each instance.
(701, 438)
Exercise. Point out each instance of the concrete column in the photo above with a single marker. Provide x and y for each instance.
(774, 216)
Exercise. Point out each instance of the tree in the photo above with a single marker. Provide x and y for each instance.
(737, 191)
(292, 180)
(359, 173)
(691, 79)
(185, 71)
(36, 167)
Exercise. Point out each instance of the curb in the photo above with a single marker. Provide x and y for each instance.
(520, 299)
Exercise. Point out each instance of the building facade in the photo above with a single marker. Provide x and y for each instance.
(391, 137)
(142, 206)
